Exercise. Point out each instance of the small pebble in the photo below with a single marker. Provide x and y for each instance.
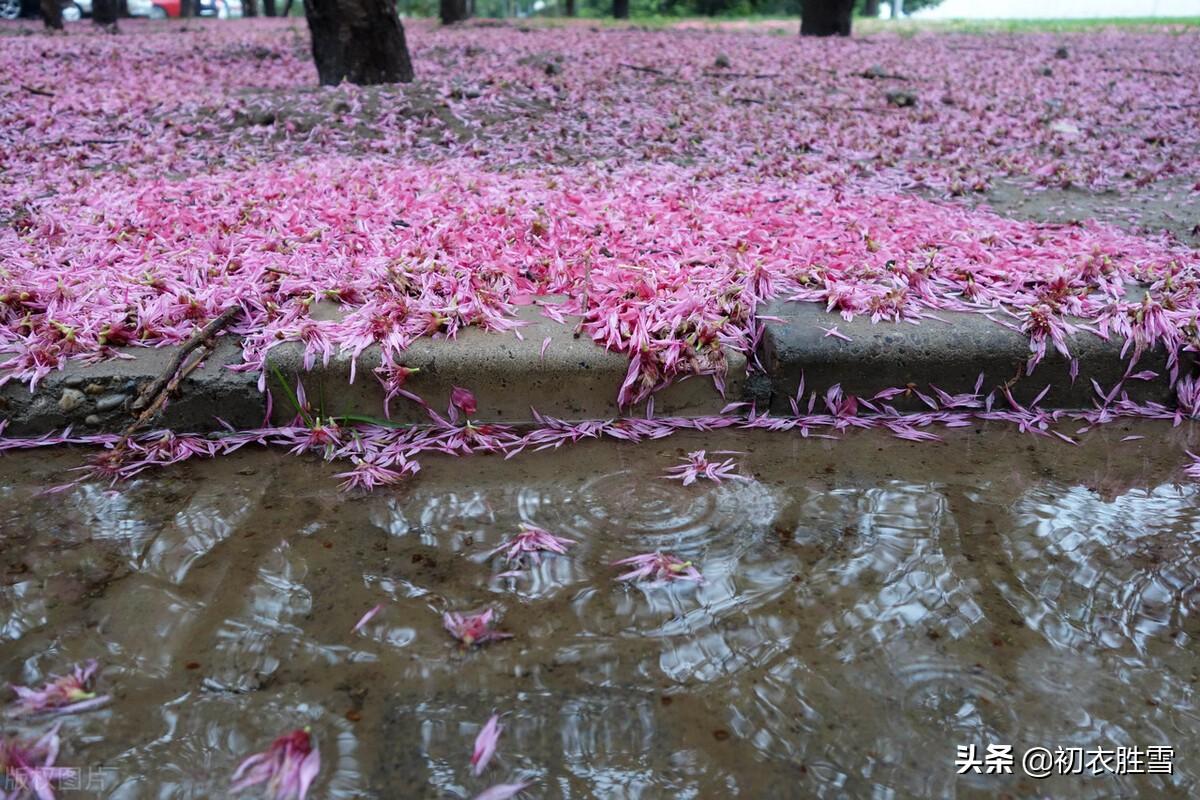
(111, 401)
(91, 419)
(94, 389)
(71, 399)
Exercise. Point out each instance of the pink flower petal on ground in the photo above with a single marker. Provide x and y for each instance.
(532, 542)
(696, 465)
(659, 567)
(503, 791)
(835, 333)
(367, 617)
(463, 400)
(64, 694)
(485, 745)
(287, 768)
(472, 629)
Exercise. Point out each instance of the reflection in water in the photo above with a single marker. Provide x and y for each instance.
(867, 607)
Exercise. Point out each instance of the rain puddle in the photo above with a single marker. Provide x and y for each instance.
(869, 606)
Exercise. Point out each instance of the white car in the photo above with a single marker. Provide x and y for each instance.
(223, 9)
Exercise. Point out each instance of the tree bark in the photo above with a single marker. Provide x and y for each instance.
(268, 8)
(825, 17)
(360, 41)
(569, 8)
(287, 8)
(104, 14)
(452, 11)
(620, 9)
(249, 8)
(52, 15)
(871, 8)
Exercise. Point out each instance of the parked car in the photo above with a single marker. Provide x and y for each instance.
(154, 9)
(15, 9)
(162, 9)
(74, 10)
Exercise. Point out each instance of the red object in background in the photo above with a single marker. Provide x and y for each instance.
(172, 7)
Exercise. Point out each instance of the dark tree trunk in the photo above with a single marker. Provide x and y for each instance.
(287, 8)
(569, 8)
(249, 8)
(360, 41)
(870, 8)
(52, 14)
(825, 17)
(104, 14)
(621, 9)
(452, 11)
(268, 8)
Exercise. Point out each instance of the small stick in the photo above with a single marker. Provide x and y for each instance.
(151, 392)
(1145, 70)
(37, 91)
(651, 70)
(754, 75)
(156, 406)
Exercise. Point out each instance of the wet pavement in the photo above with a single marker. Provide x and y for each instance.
(869, 605)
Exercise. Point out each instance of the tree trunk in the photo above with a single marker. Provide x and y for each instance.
(897, 9)
(268, 8)
(360, 41)
(871, 8)
(452, 11)
(825, 17)
(569, 8)
(287, 8)
(249, 8)
(104, 14)
(52, 14)
(620, 9)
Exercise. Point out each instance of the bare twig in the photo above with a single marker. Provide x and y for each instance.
(878, 74)
(635, 67)
(161, 398)
(1145, 70)
(151, 394)
(751, 75)
(37, 91)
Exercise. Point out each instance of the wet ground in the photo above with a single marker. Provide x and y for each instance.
(870, 605)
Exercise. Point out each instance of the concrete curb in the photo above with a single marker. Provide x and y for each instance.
(949, 354)
(577, 379)
(574, 379)
(95, 398)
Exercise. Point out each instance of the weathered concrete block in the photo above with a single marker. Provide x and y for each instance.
(947, 354)
(575, 379)
(95, 398)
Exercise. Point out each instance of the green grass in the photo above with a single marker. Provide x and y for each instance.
(1021, 25)
(865, 26)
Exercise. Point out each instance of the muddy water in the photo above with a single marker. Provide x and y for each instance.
(870, 605)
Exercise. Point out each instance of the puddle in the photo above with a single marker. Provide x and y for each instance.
(869, 605)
